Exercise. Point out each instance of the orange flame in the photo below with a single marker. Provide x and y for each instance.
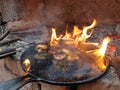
(76, 31)
(27, 64)
(84, 35)
(54, 38)
(76, 36)
(104, 46)
(67, 36)
(101, 52)
(80, 36)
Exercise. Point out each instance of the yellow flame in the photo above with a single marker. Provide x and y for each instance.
(101, 52)
(104, 46)
(76, 31)
(54, 38)
(76, 36)
(27, 64)
(80, 36)
(67, 36)
(84, 35)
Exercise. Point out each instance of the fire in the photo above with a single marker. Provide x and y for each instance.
(76, 31)
(76, 36)
(84, 35)
(104, 46)
(101, 52)
(27, 64)
(54, 38)
(79, 37)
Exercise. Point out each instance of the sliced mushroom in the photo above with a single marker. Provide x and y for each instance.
(59, 55)
(41, 47)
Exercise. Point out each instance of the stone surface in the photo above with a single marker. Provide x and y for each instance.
(7, 75)
(117, 29)
(110, 81)
(57, 13)
(118, 48)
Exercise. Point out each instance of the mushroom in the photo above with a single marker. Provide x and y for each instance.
(41, 47)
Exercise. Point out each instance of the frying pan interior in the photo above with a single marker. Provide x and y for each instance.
(61, 72)
(44, 69)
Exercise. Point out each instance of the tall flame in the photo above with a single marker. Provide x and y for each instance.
(101, 52)
(79, 37)
(84, 35)
(104, 46)
(76, 31)
(76, 36)
(54, 38)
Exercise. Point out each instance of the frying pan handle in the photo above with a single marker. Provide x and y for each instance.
(16, 83)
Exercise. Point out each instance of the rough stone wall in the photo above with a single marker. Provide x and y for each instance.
(52, 12)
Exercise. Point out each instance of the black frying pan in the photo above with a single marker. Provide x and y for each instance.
(43, 69)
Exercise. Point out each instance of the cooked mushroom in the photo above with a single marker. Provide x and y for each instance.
(41, 47)
(59, 55)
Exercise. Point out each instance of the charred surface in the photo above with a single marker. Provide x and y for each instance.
(67, 69)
